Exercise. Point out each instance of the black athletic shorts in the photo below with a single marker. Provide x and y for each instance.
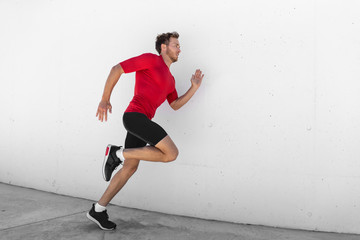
(141, 130)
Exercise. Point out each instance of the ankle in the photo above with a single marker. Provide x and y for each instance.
(99, 208)
(119, 154)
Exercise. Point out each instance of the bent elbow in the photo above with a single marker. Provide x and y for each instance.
(175, 107)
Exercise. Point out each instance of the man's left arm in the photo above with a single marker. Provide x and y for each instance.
(196, 80)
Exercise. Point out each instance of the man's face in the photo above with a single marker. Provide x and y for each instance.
(173, 49)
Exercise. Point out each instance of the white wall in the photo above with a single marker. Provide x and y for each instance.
(271, 138)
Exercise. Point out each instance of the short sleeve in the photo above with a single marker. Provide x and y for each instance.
(138, 63)
(172, 96)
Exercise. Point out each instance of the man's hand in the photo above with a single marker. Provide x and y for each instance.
(111, 81)
(196, 78)
(103, 108)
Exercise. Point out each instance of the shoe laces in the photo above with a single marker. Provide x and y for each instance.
(106, 215)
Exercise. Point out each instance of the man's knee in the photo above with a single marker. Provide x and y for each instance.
(171, 156)
(130, 168)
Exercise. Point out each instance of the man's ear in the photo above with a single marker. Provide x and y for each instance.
(163, 47)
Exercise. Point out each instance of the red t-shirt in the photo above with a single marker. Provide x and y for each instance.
(154, 83)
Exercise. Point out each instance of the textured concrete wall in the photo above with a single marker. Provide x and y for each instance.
(271, 138)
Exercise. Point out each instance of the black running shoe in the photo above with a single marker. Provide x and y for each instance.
(101, 219)
(111, 161)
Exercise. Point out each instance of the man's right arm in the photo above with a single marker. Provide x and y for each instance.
(111, 81)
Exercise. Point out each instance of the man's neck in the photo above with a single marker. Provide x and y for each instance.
(166, 59)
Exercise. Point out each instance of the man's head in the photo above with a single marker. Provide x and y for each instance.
(168, 43)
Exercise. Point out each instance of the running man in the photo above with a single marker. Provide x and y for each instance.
(145, 140)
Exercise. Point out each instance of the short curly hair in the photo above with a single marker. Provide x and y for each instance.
(164, 38)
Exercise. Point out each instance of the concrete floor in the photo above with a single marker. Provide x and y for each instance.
(31, 214)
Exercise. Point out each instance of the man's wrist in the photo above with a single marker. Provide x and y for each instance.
(105, 99)
(194, 87)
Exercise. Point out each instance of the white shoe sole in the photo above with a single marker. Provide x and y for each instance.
(107, 153)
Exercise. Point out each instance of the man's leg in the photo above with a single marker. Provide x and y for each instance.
(119, 180)
(131, 164)
(98, 214)
(135, 150)
(116, 184)
(164, 151)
